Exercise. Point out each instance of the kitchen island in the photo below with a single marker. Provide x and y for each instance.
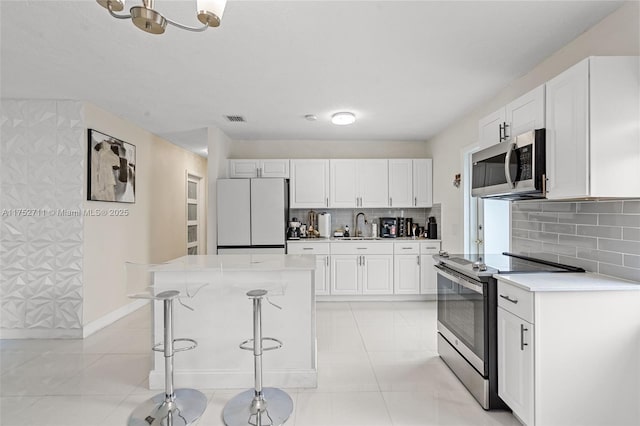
(215, 287)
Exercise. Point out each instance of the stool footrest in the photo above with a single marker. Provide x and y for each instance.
(245, 345)
(160, 346)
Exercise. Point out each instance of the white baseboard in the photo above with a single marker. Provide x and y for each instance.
(112, 317)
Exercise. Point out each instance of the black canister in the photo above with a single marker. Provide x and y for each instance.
(432, 228)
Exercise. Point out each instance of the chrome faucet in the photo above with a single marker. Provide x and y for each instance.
(358, 232)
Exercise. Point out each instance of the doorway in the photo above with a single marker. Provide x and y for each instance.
(487, 222)
(195, 214)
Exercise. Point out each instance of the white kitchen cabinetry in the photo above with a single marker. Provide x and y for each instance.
(323, 266)
(358, 183)
(515, 351)
(406, 267)
(410, 183)
(428, 275)
(521, 115)
(400, 183)
(592, 149)
(568, 350)
(361, 268)
(255, 168)
(309, 184)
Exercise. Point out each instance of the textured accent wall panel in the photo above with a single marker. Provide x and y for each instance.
(42, 166)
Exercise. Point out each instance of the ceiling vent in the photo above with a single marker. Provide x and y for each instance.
(235, 118)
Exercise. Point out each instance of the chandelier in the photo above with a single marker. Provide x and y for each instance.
(147, 19)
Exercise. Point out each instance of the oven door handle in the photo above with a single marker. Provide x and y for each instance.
(458, 280)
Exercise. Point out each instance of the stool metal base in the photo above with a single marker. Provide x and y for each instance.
(187, 407)
(237, 412)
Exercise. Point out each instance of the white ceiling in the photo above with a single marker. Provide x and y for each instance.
(407, 69)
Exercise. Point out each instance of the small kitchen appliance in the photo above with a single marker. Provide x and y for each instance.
(388, 227)
(293, 233)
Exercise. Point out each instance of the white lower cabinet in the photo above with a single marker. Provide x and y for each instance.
(406, 274)
(428, 275)
(515, 368)
(323, 265)
(361, 268)
(406, 267)
(568, 353)
(345, 274)
(377, 274)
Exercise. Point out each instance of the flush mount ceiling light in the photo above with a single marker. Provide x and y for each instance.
(343, 118)
(209, 12)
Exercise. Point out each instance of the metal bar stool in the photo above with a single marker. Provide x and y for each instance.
(258, 406)
(173, 407)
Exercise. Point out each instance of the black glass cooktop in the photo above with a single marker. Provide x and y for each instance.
(508, 263)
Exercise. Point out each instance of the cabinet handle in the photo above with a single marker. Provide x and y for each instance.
(307, 248)
(390, 202)
(327, 259)
(430, 248)
(500, 132)
(505, 131)
(406, 248)
(361, 248)
(415, 201)
(326, 200)
(509, 299)
(418, 260)
(522, 343)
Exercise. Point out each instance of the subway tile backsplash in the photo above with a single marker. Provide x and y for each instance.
(600, 236)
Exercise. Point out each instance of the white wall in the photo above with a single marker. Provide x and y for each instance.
(218, 148)
(617, 34)
(154, 229)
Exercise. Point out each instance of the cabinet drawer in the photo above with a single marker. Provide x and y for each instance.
(430, 248)
(361, 248)
(516, 300)
(406, 248)
(308, 248)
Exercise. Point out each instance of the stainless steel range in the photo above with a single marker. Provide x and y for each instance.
(467, 315)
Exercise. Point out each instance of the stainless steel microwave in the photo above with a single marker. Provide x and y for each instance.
(511, 170)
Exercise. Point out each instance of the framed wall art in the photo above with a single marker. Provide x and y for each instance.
(112, 169)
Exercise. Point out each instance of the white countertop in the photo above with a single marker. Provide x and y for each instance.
(568, 282)
(240, 262)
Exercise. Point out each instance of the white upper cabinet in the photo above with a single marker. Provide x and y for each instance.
(309, 185)
(490, 128)
(343, 192)
(410, 183)
(255, 168)
(373, 183)
(593, 137)
(358, 183)
(401, 183)
(423, 182)
(519, 116)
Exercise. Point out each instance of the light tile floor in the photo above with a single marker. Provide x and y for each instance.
(377, 365)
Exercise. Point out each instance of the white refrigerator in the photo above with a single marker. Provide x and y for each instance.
(252, 215)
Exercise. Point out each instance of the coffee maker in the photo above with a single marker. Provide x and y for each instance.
(293, 232)
(388, 227)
